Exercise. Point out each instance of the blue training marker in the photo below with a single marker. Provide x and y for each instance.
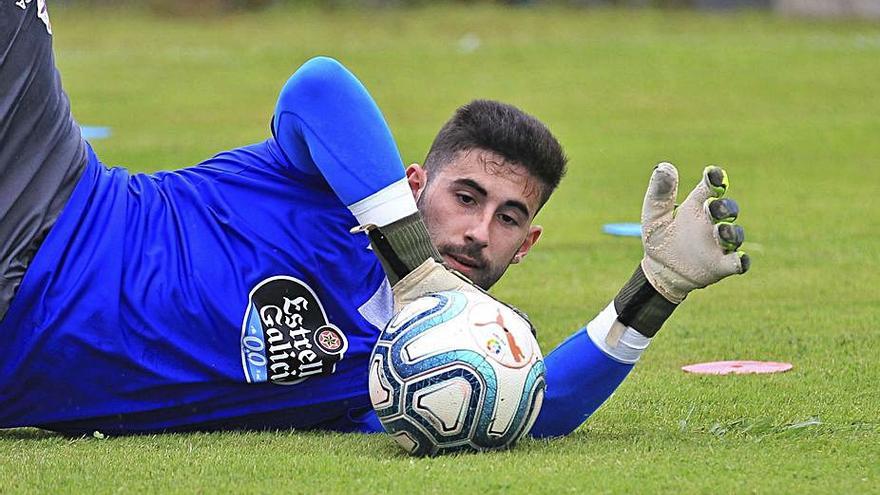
(623, 229)
(89, 132)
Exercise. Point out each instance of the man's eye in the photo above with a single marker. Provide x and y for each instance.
(507, 220)
(465, 199)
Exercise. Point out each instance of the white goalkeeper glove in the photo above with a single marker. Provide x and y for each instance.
(694, 245)
(429, 277)
(413, 266)
(686, 247)
(410, 261)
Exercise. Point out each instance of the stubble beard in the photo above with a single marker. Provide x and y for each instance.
(485, 274)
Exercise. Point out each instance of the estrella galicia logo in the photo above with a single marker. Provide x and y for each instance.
(285, 335)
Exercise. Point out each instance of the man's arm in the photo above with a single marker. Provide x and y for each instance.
(326, 123)
(686, 248)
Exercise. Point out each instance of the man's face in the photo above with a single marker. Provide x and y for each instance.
(479, 211)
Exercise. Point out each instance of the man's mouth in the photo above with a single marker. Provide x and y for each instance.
(461, 263)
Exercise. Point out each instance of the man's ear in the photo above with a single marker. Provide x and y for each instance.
(417, 178)
(531, 239)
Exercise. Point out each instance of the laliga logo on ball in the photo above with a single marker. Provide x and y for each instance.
(456, 371)
(514, 351)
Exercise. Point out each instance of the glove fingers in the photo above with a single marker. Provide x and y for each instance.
(713, 185)
(723, 209)
(730, 236)
(733, 263)
(745, 261)
(660, 197)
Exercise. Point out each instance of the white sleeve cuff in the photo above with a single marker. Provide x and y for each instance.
(390, 204)
(628, 348)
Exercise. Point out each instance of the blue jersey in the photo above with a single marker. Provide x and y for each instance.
(195, 298)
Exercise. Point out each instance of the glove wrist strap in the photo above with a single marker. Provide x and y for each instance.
(401, 246)
(640, 306)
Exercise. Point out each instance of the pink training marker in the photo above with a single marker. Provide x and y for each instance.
(737, 367)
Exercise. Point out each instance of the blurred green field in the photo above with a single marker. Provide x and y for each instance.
(790, 107)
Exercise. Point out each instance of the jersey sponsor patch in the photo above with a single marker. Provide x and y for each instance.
(285, 336)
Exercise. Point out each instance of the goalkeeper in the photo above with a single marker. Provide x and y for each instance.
(234, 294)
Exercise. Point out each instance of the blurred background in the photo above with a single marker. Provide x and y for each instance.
(817, 8)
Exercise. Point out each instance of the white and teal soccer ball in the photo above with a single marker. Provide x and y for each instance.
(456, 371)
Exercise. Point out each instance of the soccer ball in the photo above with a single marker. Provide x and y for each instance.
(456, 371)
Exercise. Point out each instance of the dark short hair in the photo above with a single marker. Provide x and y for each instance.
(506, 130)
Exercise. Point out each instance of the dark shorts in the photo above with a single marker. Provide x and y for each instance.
(42, 154)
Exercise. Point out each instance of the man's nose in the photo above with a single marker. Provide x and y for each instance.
(478, 232)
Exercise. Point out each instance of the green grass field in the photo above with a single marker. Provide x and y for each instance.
(790, 107)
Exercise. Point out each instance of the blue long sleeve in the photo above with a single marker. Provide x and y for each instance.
(580, 377)
(326, 123)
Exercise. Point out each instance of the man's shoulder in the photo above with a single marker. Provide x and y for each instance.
(261, 160)
(258, 155)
